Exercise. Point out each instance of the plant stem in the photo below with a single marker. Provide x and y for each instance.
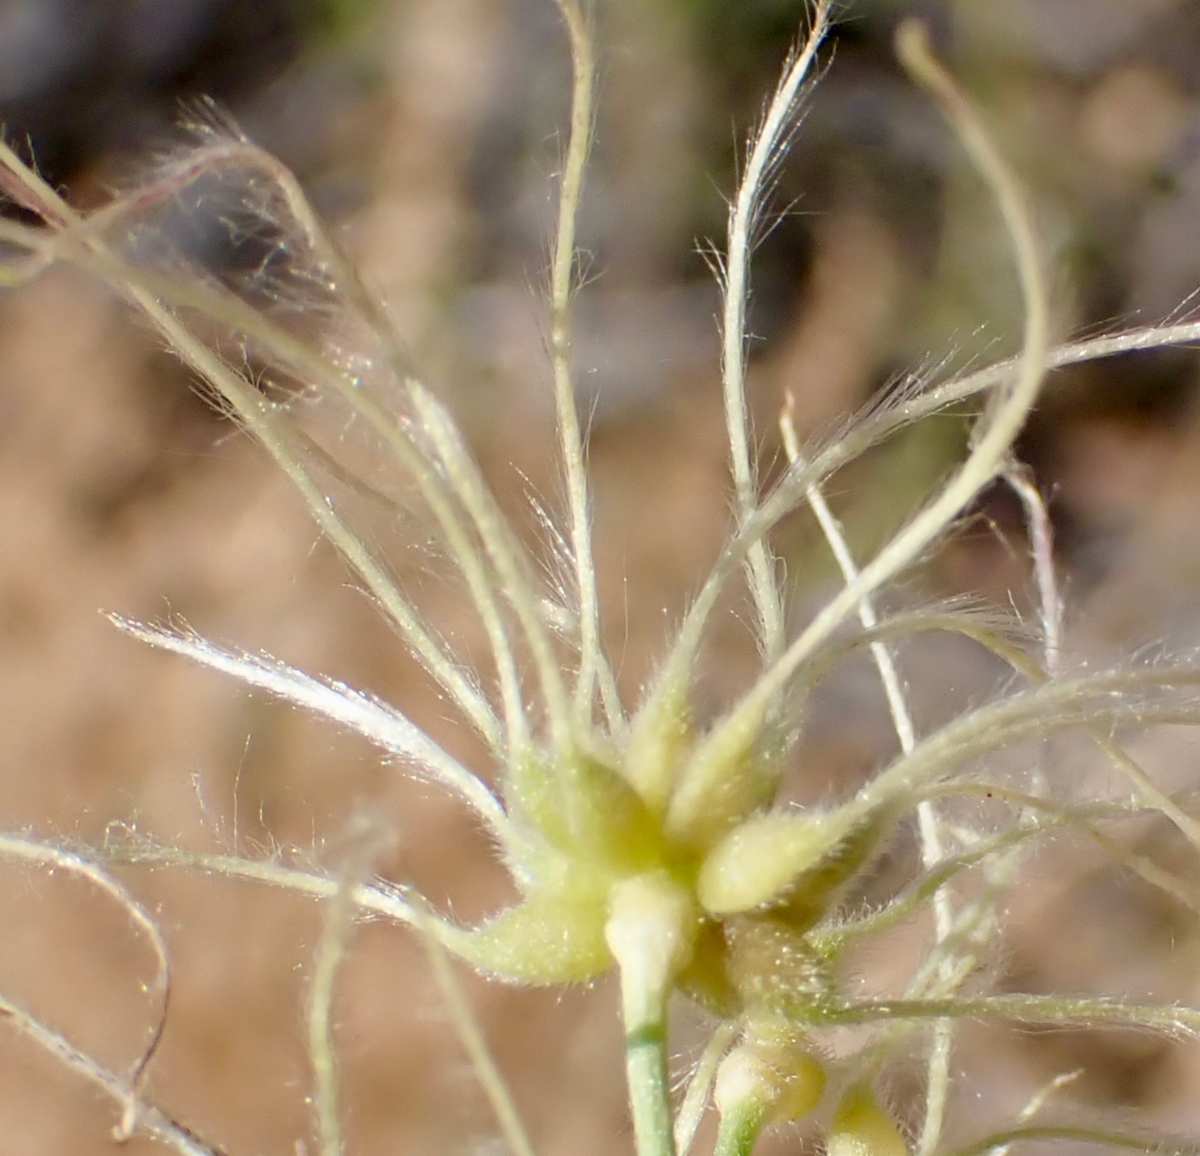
(649, 1090)
(738, 1131)
(650, 932)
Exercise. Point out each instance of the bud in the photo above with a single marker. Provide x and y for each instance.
(588, 810)
(757, 861)
(657, 742)
(860, 1127)
(729, 775)
(765, 1078)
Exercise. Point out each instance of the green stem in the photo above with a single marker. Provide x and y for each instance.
(649, 1089)
(650, 930)
(739, 1130)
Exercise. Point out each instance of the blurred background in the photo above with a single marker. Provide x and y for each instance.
(428, 133)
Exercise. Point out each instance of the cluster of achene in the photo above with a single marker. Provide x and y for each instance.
(644, 839)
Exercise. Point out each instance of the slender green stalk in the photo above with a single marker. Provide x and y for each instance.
(1054, 817)
(649, 932)
(738, 1131)
(992, 728)
(1146, 789)
(649, 1089)
(1090, 702)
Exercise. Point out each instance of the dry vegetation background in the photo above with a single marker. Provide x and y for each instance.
(427, 128)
